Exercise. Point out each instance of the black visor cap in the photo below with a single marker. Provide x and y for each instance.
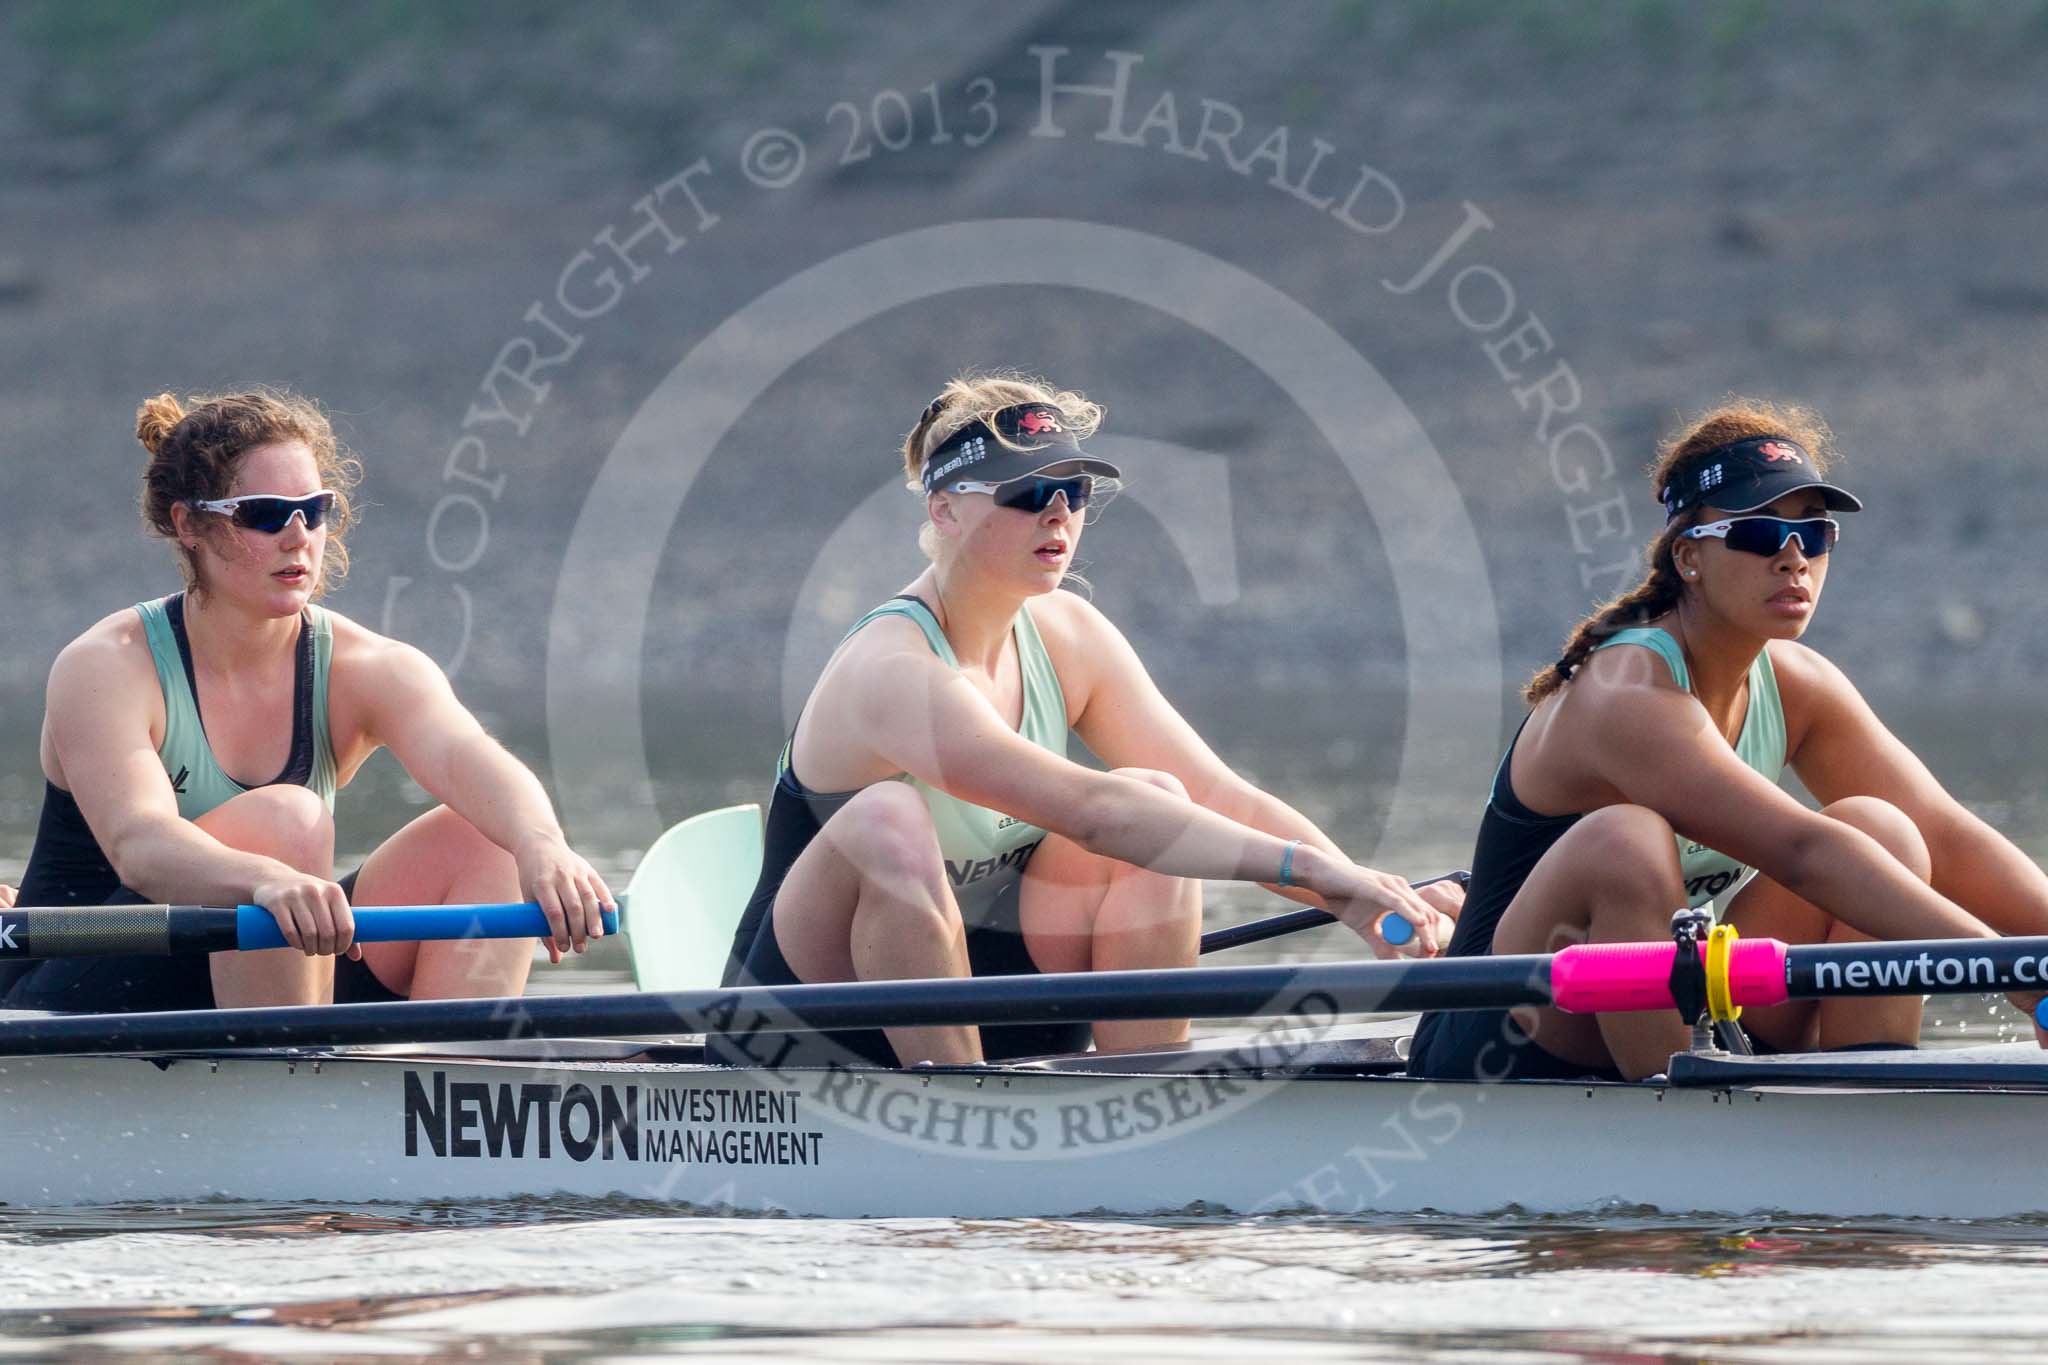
(1743, 476)
(975, 452)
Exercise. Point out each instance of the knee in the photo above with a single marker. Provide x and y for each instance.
(1632, 852)
(1152, 777)
(1165, 782)
(1890, 826)
(289, 823)
(886, 832)
(459, 842)
(1625, 834)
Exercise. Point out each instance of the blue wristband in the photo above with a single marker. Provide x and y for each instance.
(1287, 864)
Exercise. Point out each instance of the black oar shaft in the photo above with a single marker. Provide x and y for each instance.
(1294, 921)
(1589, 977)
(1259, 930)
(1919, 967)
(115, 931)
(1314, 991)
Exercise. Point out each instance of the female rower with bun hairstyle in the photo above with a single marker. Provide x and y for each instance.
(192, 746)
(926, 820)
(1645, 778)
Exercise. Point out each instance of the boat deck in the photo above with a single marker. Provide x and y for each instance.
(1354, 1052)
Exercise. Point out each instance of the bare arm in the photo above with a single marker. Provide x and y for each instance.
(1660, 750)
(925, 719)
(102, 693)
(411, 710)
(1126, 719)
(1847, 751)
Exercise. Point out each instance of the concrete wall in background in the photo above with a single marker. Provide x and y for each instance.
(522, 252)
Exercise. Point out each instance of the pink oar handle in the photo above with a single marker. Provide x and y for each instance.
(1592, 978)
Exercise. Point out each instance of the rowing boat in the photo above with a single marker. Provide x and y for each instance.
(1318, 1120)
(601, 1096)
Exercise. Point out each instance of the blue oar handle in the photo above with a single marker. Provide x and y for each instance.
(255, 928)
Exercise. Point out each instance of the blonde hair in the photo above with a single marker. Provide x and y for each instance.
(978, 396)
(195, 447)
(1736, 419)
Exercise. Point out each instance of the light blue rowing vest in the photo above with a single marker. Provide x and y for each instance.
(1761, 745)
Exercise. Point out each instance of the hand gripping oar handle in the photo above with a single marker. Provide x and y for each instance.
(255, 927)
(165, 930)
(1394, 928)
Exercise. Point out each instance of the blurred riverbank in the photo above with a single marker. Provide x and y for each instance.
(1684, 200)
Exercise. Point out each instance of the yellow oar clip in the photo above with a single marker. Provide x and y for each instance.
(1720, 945)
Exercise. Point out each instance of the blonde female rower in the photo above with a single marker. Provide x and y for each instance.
(193, 744)
(1646, 778)
(926, 820)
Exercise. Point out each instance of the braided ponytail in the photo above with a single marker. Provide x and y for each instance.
(1655, 596)
(1662, 589)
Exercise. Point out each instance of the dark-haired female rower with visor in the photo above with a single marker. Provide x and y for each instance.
(1645, 778)
(926, 820)
(193, 744)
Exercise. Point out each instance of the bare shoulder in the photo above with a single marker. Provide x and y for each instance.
(1811, 688)
(1080, 638)
(1622, 696)
(1623, 669)
(1801, 667)
(352, 635)
(885, 637)
(114, 648)
(1064, 608)
(103, 691)
(363, 655)
(376, 687)
(1069, 618)
(871, 668)
(861, 691)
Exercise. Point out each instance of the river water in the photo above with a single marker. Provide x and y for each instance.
(567, 1280)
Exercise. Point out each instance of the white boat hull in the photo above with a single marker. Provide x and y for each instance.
(358, 1127)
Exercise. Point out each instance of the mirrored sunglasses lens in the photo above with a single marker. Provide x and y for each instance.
(1025, 495)
(1756, 537)
(263, 514)
(1768, 535)
(271, 515)
(1035, 495)
(1816, 538)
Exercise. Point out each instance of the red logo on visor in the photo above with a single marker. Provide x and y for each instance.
(1778, 452)
(1038, 423)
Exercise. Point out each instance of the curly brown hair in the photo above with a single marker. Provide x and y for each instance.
(1736, 419)
(195, 447)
